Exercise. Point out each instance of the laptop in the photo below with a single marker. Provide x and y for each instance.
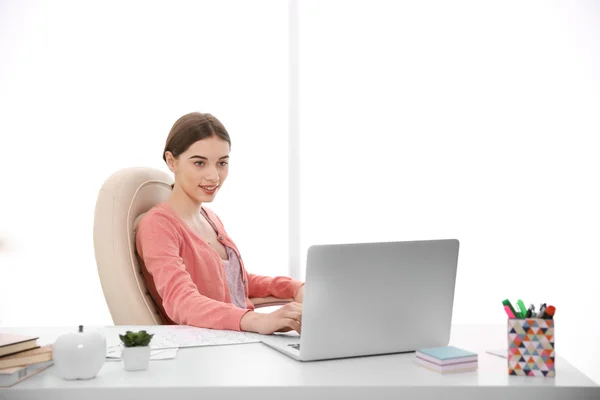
(365, 299)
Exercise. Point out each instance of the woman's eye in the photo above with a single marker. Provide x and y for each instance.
(199, 163)
(224, 163)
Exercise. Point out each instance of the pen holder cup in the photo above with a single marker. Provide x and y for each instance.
(531, 347)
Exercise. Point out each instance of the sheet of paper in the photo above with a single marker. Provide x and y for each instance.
(178, 336)
(164, 354)
(189, 336)
(114, 353)
(498, 352)
(113, 341)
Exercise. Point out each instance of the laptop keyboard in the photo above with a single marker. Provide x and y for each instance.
(295, 346)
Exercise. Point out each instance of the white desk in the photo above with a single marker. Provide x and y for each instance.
(257, 371)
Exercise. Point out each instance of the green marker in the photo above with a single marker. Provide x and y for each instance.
(522, 308)
(507, 303)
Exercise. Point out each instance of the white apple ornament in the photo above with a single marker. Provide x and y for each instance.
(79, 355)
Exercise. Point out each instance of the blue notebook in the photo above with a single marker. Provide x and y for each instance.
(447, 353)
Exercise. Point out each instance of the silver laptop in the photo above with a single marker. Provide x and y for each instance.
(374, 298)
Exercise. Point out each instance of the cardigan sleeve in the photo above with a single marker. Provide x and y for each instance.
(281, 287)
(158, 243)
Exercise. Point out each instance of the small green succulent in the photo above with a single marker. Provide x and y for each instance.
(136, 339)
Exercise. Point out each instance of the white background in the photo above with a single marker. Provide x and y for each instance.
(417, 120)
(88, 88)
(473, 120)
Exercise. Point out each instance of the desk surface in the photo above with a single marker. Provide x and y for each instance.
(256, 370)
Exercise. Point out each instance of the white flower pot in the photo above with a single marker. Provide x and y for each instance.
(136, 358)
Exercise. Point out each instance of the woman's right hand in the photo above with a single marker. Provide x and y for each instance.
(286, 318)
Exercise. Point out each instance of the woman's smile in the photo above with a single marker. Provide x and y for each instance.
(209, 189)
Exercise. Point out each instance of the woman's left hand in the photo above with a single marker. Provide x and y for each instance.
(300, 295)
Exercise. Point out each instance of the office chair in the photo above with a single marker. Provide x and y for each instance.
(123, 199)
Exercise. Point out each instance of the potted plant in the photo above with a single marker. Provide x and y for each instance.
(136, 354)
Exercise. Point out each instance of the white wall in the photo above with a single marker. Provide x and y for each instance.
(465, 119)
(87, 88)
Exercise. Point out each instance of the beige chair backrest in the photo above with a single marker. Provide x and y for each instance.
(123, 199)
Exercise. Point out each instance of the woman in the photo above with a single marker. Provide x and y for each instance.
(193, 269)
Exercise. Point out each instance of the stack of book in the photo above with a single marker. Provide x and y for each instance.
(446, 359)
(21, 357)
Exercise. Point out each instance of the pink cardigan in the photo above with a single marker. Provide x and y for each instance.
(185, 275)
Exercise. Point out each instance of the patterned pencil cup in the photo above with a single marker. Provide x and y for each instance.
(531, 347)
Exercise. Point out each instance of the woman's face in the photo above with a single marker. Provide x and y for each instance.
(201, 170)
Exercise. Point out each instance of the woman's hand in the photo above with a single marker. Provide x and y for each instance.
(300, 295)
(285, 319)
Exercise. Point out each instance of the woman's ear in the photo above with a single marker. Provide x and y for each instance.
(171, 161)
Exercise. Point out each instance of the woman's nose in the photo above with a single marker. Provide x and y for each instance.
(213, 175)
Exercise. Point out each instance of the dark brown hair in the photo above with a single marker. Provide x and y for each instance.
(190, 128)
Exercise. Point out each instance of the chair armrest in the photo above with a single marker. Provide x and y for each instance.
(269, 301)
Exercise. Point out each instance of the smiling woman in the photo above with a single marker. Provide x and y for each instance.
(185, 135)
(192, 267)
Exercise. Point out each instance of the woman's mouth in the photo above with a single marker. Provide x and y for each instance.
(209, 189)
